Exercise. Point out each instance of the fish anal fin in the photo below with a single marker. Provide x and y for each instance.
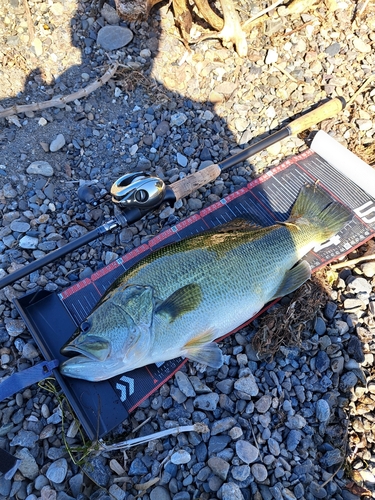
(181, 301)
(202, 350)
(293, 279)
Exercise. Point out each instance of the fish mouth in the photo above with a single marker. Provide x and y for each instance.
(82, 367)
(69, 350)
(93, 347)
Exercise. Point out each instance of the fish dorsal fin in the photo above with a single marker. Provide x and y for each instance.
(181, 301)
(203, 350)
(237, 226)
(293, 279)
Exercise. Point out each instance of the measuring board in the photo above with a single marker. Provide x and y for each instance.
(52, 318)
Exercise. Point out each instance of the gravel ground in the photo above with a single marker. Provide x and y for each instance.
(298, 427)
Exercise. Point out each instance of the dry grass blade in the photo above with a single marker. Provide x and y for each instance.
(30, 24)
(284, 325)
(247, 24)
(147, 485)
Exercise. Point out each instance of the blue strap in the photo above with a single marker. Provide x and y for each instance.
(20, 380)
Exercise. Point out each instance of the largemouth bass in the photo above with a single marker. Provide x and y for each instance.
(182, 297)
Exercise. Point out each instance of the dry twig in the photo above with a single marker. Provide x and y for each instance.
(198, 427)
(247, 24)
(361, 89)
(61, 101)
(353, 262)
(284, 72)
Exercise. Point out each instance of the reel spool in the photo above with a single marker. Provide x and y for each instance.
(139, 191)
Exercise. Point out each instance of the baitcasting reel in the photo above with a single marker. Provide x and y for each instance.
(136, 193)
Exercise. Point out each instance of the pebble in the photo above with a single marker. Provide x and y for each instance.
(29, 242)
(330, 310)
(56, 472)
(57, 143)
(219, 467)
(323, 411)
(358, 285)
(19, 226)
(159, 493)
(246, 451)
(206, 402)
(333, 49)
(231, 491)
(180, 457)
(114, 37)
(40, 168)
(178, 119)
(184, 384)
(368, 269)
(296, 422)
(259, 471)
(25, 439)
(320, 326)
(247, 385)
(361, 45)
(331, 457)
(28, 466)
(348, 381)
(263, 404)
(271, 56)
(182, 160)
(293, 439)
(162, 129)
(110, 14)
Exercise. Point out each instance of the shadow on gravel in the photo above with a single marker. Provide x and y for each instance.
(133, 123)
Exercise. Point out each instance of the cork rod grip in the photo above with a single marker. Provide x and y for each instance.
(192, 182)
(327, 110)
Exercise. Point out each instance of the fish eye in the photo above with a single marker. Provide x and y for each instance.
(85, 326)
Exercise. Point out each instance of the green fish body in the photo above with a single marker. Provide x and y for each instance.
(182, 297)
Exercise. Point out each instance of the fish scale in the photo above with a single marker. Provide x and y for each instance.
(182, 297)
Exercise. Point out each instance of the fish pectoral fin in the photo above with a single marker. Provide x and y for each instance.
(203, 350)
(293, 279)
(181, 301)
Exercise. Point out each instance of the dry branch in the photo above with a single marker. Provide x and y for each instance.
(61, 101)
(232, 32)
(183, 17)
(209, 15)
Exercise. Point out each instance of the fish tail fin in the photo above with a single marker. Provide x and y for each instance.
(317, 207)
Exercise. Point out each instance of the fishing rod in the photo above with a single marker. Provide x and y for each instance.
(138, 194)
